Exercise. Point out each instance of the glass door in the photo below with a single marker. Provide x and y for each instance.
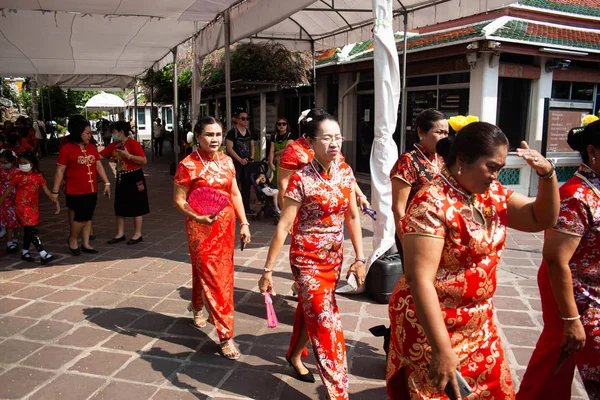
(365, 130)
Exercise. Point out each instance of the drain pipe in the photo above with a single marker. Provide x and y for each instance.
(341, 101)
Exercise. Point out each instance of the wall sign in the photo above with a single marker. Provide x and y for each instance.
(559, 117)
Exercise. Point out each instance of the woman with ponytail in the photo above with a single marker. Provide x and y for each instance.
(454, 233)
(569, 282)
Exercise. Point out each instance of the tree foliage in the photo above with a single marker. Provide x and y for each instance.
(58, 104)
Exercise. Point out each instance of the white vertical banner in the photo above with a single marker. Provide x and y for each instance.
(384, 152)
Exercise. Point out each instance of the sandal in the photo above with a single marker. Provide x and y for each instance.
(229, 350)
(12, 247)
(27, 257)
(198, 320)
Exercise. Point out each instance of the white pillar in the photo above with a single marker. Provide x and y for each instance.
(483, 88)
(540, 89)
(263, 125)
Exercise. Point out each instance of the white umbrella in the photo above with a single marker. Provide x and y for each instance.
(384, 152)
(105, 102)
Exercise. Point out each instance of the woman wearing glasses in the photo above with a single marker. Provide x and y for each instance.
(280, 140)
(320, 197)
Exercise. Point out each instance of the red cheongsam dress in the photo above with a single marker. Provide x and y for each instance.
(316, 255)
(465, 284)
(211, 246)
(27, 190)
(296, 155)
(579, 216)
(8, 216)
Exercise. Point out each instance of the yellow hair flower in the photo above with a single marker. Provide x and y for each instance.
(460, 121)
(588, 119)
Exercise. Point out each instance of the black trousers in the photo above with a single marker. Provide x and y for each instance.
(158, 146)
(31, 235)
(242, 175)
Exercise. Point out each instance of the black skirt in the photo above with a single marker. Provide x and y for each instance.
(131, 194)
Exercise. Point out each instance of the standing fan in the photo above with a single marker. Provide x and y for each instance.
(207, 201)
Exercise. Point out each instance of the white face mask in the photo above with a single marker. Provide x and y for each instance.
(7, 165)
(25, 167)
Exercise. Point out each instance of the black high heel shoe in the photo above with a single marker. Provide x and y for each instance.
(75, 251)
(307, 377)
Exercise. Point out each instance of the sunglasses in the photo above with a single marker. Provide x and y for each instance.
(281, 123)
(245, 118)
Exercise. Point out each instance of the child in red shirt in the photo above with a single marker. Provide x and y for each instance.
(8, 218)
(27, 183)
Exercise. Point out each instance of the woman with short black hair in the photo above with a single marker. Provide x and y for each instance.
(131, 192)
(78, 164)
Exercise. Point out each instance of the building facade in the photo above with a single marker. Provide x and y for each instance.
(500, 66)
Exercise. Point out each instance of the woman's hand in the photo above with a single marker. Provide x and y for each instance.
(124, 153)
(442, 370)
(534, 159)
(359, 269)
(272, 167)
(363, 203)
(573, 336)
(107, 191)
(206, 219)
(245, 234)
(265, 283)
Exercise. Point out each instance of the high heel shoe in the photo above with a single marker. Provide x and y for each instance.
(75, 251)
(307, 377)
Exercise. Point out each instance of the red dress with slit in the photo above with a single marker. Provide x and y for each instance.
(465, 284)
(211, 246)
(579, 216)
(316, 255)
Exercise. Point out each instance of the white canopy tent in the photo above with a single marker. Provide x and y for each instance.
(105, 102)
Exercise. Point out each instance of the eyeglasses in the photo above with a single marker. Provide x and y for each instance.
(245, 118)
(328, 139)
(281, 123)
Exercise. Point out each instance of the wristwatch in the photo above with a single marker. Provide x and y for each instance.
(550, 173)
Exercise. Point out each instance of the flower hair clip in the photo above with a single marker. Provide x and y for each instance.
(588, 119)
(304, 115)
(460, 121)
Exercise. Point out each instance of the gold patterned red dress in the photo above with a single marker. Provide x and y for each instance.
(316, 255)
(465, 284)
(211, 246)
(579, 216)
(417, 168)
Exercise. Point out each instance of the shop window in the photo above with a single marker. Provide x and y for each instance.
(561, 90)
(429, 80)
(365, 129)
(141, 118)
(454, 102)
(461, 77)
(513, 103)
(582, 91)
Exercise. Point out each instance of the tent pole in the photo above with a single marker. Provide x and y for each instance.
(50, 102)
(314, 71)
(152, 120)
(135, 114)
(403, 83)
(175, 108)
(42, 100)
(227, 32)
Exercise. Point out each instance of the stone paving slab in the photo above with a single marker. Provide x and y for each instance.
(114, 325)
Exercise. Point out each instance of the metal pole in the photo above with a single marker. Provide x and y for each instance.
(50, 102)
(314, 68)
(175, 108)
(42, 100)
(152, 120)
(227, 27)
(135, 114)
(404, 105)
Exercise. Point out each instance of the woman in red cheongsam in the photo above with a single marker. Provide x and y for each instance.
(569, 281)
(211, 238)
(417, 167)
(319, 198)
(441, 311)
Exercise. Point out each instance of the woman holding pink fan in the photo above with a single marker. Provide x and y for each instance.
(207, 194)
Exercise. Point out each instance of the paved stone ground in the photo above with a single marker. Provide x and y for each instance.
(114, 326)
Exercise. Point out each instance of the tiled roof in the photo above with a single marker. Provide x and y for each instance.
(543, 34)
(581, 7)
(364, 49)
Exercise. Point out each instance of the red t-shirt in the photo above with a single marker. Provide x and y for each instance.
(123, 164)
(80, 174)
